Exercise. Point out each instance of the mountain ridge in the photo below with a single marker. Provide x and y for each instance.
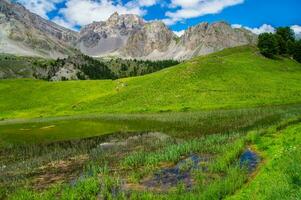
(26, 33)
(154, 40)
(125, 36)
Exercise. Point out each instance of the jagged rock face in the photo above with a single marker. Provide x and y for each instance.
(127, 36)
(25, 33)
(192, 37)
(101, 38)
(154, 36)
(204, 38)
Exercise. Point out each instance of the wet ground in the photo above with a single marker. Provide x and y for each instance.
(113, 149)
(180, 173)
(250, 160)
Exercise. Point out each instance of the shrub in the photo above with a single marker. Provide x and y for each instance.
(297, 51)
(268, 45)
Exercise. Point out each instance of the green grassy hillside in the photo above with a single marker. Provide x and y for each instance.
(233, 78)
(12, 66)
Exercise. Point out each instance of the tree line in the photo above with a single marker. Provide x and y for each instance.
(282, 42)
(98, 68)
(132, 67)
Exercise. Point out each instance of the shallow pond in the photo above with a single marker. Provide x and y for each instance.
(181, 173)
(250, 160)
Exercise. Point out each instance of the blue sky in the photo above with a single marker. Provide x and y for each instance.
(256, 15)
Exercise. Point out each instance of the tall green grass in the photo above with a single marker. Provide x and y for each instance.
(278, 145)
(187, 125)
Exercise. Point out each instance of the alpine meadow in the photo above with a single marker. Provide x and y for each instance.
(120, 102)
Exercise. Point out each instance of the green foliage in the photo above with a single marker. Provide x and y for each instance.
(96, 70)
(88, 68)
(128, 68)
(286, 33)
(99, 69)
(87, 188)
(172, 152)
(291, 47)
(268, 45)
(297, 51)
(12, 66)
(281, 43)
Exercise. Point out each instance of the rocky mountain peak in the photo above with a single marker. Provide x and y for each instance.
(123, 35)
(154, 36)
(26, 33)
(154, 26)
(126, 21)
(215, 36)
(105, 37)
(114, 17)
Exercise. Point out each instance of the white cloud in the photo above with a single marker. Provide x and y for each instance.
(147, 2)
(82, 12)
(265, 28)
(236, 26)
(297, 30)
(195, 8)
(179, 33)
(40, 7)
(64, 23)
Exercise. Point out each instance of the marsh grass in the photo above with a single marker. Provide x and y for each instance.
(179, 125)
(103, 172)
(212, 144)
(224, 178)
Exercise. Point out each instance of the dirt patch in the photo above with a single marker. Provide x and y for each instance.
(59, 171)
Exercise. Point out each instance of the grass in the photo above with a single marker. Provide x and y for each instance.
(233, 78)
(12, 66)
(188, 125)
(102, 175)
(214, 106)
(171, 153)
(280, 177)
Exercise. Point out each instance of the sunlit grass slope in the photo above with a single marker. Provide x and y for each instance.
(233, 78)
